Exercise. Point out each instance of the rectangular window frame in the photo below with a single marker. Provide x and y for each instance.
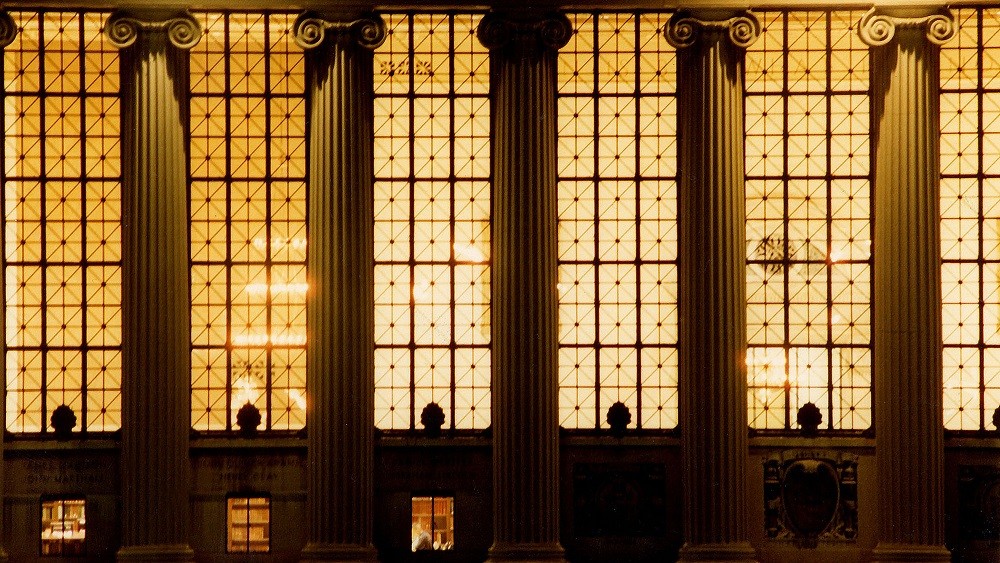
(61, 542)
(408, 371)
(649, 358)
(775, 253)
(231, 525)
(435, 531)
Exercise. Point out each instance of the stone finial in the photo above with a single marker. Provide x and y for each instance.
(682, 29)
(122, 29)
(8, 29)
(878, 29)
(63, 422)
(311, 29)
(524, 37)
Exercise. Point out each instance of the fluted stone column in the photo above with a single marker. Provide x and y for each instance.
(8, 32)
(156, 335)
(909, 429)
(712, 282)
(340, 304)
(523, 50)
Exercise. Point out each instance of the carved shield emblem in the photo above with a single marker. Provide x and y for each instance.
(810, 494)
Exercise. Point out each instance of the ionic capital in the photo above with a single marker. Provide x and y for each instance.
(682, 29)
(311, 30)
(122, 29)
(524, 37)
(8, 29)
(878, 29)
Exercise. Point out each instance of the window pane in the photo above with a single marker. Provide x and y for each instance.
(617, 221)
(808, 232)
(62, 222)
(249, 525)
(433, 523)
(64, 527)
(248, 229)
(432, 222)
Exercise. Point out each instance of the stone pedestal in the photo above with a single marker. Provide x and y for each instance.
(712, 337)
(156, 314)
(909, 430)
(525, 322)
(340, 304)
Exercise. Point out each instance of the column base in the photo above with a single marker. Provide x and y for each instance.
(526, 553)
(154, 553)
(339, 553)
(740, 552)
(914, 553)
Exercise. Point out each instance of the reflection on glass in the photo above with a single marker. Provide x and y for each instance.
(64, 527)
(249, 524)
(808, 221)
(433, 523)
(248, 228)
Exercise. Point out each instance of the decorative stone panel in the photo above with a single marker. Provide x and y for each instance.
(811, 496)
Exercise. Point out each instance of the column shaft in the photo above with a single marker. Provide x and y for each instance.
(712, 285)
(909, 442)
(340, 302)
(524, 295)
(156, 417)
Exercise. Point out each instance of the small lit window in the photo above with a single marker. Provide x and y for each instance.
(249, 524)
(64, 526)
(433, 523)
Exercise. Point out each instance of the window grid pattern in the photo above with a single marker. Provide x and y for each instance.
(433, 525)
(62, 228)
(970, 220)
(432, 222)
(617, 221)
(249, 520)
(808, 187)
(248, 222)
(64, 527)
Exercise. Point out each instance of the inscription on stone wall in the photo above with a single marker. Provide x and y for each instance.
(250, 472)
(60, 475)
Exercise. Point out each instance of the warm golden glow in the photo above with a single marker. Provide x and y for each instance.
(433, 523)
(248, 230)
(64, 527)
(61, 209)
(808, 221)
(249, 523)
(970, 220)
(617, 222)
(432, 230)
